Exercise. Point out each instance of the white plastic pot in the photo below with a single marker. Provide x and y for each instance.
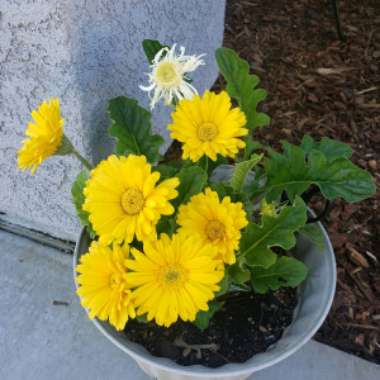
(315, 299)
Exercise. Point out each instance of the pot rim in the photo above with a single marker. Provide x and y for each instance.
(230, 369)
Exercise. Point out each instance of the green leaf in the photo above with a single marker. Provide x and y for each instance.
(294, 171)
(224, 285)
(167, 225)
(241, 170)
(151, 48)
(167, 171)
(251, 146)
(341, 179)
(261, 119)
(248, 205)
(278, 231)
(238, 272)
(222, 189)
(132, 129)
(314, 234)
(242, 86)
(287, 271)
(78, 200)
(203, 318)
(203, 163)
(212, 165)
(332, 149)
(142, 318)
(192, 181)
(286, 172)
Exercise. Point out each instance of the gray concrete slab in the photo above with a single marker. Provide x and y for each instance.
(43, 341)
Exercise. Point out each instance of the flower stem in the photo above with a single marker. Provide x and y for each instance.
(203, 163)
(67, 147)
(82, 160)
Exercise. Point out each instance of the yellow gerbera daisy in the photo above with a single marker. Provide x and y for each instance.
(214, 222)
(174, 278)
(208, 126)
(124, 200)
(103, 288)
(44, 135)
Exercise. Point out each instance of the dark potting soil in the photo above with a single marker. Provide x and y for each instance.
(246, 325)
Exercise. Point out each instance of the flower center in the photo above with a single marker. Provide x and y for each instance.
(215, 230)
(207, 132)
(172, 276)
(167, 74)
(114, 281)
(132, 201)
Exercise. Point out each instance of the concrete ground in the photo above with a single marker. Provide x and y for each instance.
(45, 335)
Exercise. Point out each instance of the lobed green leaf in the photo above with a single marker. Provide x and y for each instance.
(167, 171)
(285, 272)
(241, 170)
(132, 129)
(238, 272)
(325, 165)
(258, 239)
(332, 149)
(242, 86)
(192, 181)
(151, 48)
(314, 234)
(223, 189)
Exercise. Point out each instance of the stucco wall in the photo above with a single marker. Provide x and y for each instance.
(84, 52)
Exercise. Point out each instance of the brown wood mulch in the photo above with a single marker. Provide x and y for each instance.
(325, 87)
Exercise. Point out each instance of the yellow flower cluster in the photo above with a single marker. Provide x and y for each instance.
(170, 277)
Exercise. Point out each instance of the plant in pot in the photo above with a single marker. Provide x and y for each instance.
(207, 263)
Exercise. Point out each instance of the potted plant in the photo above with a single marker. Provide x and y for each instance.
(210, 265)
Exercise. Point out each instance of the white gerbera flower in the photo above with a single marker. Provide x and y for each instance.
(168, 78)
